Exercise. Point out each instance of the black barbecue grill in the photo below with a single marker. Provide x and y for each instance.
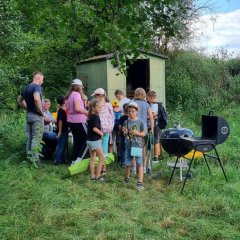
(215, 130)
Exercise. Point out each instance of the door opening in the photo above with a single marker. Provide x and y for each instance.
(138, 75)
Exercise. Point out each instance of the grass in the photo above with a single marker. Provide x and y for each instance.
(48, 204)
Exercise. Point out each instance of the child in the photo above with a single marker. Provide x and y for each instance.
(62, 132)
(122, 137)
(152, 99)
(93, 139)
(134, 132)
(107, 120)
(115, 133)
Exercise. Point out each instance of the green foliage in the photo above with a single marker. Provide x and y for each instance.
(204, 83)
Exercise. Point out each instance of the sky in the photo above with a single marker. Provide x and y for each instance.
(224, 31)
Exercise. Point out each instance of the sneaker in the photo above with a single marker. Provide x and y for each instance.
(134, 170)
(104, 172)
(100, 179)
(126, 181)
(140, 186)
(93, 178)
(160, 157)
(155, 160)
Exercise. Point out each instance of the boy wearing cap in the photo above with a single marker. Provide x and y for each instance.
(133, 131)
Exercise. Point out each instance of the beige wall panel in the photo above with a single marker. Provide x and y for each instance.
(157, 77)
(116, 80)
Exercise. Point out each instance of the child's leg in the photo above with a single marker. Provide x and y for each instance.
(128, 163)
(140, 169)
(99, 152)
(105, 140)
(92, 162)
(127, 171)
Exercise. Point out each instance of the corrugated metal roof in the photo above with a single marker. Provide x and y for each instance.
(111, 55)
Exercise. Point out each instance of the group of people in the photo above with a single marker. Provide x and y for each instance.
(97, 126)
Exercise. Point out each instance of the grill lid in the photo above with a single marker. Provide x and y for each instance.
(214, 127)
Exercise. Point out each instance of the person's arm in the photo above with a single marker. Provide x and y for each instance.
(21, 101)
(151, 119)
(137, 133)
(96, 130)
(77, 108)
(60, 124)
(38, 102)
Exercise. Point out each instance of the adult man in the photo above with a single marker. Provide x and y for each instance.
(119, 94)
(49, 137)
(31, 100)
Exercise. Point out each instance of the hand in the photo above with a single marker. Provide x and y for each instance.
(134, 132)
(58, 136)
(124, 130)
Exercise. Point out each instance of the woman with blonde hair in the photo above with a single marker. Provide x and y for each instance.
(144, 114)
(76, 118)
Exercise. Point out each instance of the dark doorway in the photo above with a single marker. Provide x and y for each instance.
(138, 75)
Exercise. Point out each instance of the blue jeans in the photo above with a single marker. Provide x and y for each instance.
(129, 158)
(105, 140)
(34, 131)
(61, 148)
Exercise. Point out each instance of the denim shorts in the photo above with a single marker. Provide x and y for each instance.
(129, 158)
(93, 145)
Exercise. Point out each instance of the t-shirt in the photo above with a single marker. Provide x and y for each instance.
(117, 116)
(134, 141)
(122, 102)
(48, 126)
(27, 94)
(93, 121)
(63, 117)
(73, 116)
(154, 108)
(143, 107)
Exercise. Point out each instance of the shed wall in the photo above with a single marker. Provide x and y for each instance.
(93, 75)
(157, 78)
(116, 80)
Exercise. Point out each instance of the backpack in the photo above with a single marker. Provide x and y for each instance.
(106, 118)
(162, 119)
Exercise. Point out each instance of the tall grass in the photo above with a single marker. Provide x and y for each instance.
(47, 203)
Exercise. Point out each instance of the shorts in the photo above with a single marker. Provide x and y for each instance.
(129, 158)
(157, 132)
(93, 145)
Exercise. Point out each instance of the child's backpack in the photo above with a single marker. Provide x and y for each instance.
(162, 119)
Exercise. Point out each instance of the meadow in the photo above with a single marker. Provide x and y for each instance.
(48, 203)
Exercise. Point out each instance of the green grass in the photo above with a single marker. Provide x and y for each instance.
(48, 204)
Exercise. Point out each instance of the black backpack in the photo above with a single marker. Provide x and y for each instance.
(162, 119)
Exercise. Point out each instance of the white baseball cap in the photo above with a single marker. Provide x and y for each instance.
(132, 104)
(77, 82)
(99, 91)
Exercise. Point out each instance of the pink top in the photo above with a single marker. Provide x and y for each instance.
(73, 116)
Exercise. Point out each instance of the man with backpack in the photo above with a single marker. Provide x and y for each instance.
(160, 122)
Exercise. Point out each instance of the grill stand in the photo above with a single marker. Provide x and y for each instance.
(193, 157)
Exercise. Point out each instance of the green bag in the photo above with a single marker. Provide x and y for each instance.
(83, 165)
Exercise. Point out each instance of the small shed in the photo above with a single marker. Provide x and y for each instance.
(148, 72)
